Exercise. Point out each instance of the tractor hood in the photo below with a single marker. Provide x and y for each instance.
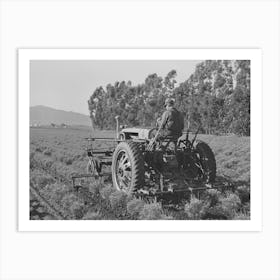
(138, 133)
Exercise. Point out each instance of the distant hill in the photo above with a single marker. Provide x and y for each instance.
(44, 115)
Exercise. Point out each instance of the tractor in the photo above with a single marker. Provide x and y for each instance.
(144, 162)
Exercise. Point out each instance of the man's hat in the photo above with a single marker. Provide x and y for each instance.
(169, 102)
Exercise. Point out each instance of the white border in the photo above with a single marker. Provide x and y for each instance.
(24, 57)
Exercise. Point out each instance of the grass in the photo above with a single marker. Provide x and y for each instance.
(59, 153)
(232, 155)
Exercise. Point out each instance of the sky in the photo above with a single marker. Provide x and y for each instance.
(68, 84)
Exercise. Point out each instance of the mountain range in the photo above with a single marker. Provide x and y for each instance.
(44, 115)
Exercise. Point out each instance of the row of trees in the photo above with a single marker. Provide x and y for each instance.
(216, 96)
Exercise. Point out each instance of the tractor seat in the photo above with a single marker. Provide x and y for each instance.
(173, 138)
(169, 139)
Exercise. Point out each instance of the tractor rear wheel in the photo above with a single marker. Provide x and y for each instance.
(127, 167)
(207, 160)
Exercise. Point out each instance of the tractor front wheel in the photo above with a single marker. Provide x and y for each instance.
(127, 167)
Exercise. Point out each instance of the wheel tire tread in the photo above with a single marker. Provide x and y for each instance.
(137, 163)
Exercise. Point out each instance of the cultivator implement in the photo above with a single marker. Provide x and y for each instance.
(188, 188)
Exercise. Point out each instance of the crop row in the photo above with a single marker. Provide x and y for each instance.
(100, 201)
(38, 199)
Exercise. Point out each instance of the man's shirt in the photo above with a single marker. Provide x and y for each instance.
(173, 120)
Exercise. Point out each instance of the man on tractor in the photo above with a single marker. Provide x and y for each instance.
(172, 121)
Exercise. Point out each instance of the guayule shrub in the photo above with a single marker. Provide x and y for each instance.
(35, 174)
(47, 152)
(196, 209)
(77, 209)
(241, 216)
(106, 191)
(96, 186)
(226, 208)
(92, 215)
(118, 202)
(68, 161)
(212, 196)
(152, 211)
(100, 201)
(134, 207)
(246, 207)
(55, 192)
(74, 205)
(32, 162)
(43, 161)
(244, 193)
(230, 204)
(39, 149)
(41, 180)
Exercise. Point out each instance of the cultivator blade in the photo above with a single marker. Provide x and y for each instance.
(81, 180)
(189, 188)
(84, 180)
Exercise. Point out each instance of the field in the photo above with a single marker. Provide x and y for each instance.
(56, 154)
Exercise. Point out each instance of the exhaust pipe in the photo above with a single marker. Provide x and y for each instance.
(117, 128)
